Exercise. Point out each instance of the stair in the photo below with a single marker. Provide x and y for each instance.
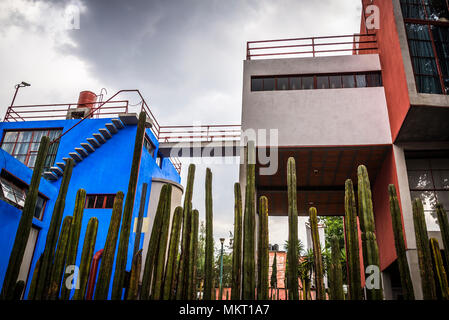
(86, 148)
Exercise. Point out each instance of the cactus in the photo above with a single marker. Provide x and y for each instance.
(75, 231)
(170, 269)
(366, 216)
(18, 290)
(53, 232)
(60, 257)
(135, 276)
(336, 290)
(248, 270)
(237, 244)
(209, 245)
(181, 290)
(439, 268)
(317, 258)
(86, 258)
(262, 254)
(292, 252)
(193, 256)
(444, 228)
(32, 290)
(151, 257)
(162, 247)
(24, 228)
(352, 243)
(396, 218)
(139, 223)
(122, 252)
(424, 253)
(107, 260)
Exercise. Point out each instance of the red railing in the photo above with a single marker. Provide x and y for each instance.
(313, 46)
(200, 133)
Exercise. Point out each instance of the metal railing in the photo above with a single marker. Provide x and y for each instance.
(353, 44)
(203, 133)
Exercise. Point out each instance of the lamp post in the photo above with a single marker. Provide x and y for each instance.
(17, 86)
(221, 269)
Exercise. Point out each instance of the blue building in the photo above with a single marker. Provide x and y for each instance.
(99, 136)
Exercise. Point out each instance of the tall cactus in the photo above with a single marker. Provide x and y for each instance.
(237, 244)
(369, 243)
(444, 228)
(249, 220)
(170, 269)
(396, 218)
(209, 246)
(317, 258)
(135, 276)
(262, 254)
(33, 284)
(439, 268)
(53, 232)
(352, 243)
(18, 290)
(24, 228)
(424, 253)
(75, 231)
(162, 248)
(152, 251)
(122, 252)
(181, 290)
(86, 258)
(60, 258)
(292, 251)
(107, 260)
(193, 256)
(336, 289)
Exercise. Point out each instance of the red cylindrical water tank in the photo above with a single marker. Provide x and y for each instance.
(87, 99)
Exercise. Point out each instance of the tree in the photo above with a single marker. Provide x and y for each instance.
(274, 278)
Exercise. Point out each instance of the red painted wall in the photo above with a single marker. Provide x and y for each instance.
(393, 74)
(384, 229)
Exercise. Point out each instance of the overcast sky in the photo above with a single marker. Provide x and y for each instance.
(185, 57)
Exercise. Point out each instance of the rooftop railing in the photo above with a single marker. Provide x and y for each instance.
(353, 44)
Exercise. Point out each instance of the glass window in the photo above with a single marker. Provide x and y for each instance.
(99, 201)
(335, 82)
(16, 192)
(269, 84)
(256, 84)
(361, 80)
(373, 80)
(322, 82)
(307, 83)
(348, 81)
(148, 145)
(24, 145)
(295, 83)
(159, 160)
(282, 83)
(429, 181)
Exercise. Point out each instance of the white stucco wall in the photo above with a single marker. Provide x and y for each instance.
(356, 116)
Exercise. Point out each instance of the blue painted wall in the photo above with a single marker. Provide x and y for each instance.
(106, 170)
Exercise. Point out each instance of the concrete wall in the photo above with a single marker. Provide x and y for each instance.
(352, 116)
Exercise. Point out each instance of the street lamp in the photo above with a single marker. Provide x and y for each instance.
(17, 86)
(222, 240)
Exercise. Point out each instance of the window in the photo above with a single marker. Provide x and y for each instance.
(427, 25)
(15, 191)
(159, 160)
(429, 180)
(99, 201)
(321, 81)
(23, 145)
(149, 146)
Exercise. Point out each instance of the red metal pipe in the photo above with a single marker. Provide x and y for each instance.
(93, 274)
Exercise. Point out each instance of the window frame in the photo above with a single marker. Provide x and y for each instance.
(29, 153)
(315, 76)
(19, 184)
(96, 195)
